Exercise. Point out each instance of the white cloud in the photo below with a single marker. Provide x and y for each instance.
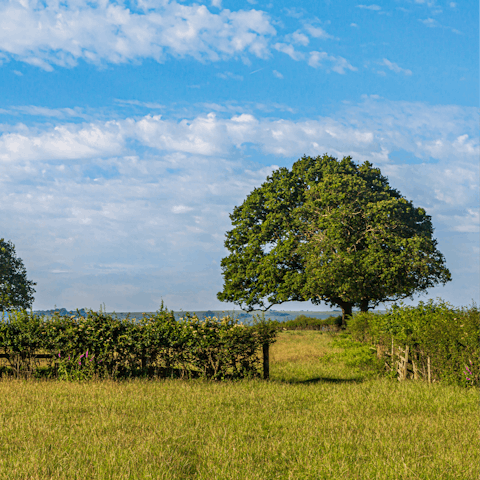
(62, 142)
(354, 25)
(469, 222)
(181, 209)
(370, 7)
(317, 32)
(229, 75)
(104, 31)
(277, 74)
(432, 23)
(437, 132)
(395, 68)
(289, 50)
(149, 105)
(46, 112)
(337, 64)
(297, 38)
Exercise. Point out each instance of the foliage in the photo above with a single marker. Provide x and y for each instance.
(16, 291)
(328, 231)
(266, 328)
(449, 336)
(155, 345)
(74, 369)
(21, 337)
(302, 322)
(365, 243)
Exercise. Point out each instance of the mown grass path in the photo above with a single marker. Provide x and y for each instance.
(312, 420)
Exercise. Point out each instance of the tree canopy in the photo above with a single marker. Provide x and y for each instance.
(329, 231)
(16, 292)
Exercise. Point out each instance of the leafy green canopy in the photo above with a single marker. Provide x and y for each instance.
(16, 292)
(330, 231)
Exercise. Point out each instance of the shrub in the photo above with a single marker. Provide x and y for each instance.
(155, 345)
(447, 335)
(302, 322)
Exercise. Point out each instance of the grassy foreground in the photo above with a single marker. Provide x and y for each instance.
(312, 420)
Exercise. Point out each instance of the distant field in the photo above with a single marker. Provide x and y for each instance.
(313, 420)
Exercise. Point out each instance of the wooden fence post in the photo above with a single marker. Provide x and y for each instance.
(402, 368)
(405, 368)
(392, 363)
(415, 371)
(266, 361)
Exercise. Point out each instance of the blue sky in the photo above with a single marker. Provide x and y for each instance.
(130, 130)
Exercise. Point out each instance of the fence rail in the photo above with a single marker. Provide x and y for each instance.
(47, 356)
(34, 356)
(405, 362)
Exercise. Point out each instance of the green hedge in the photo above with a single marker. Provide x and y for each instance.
(302, 322)
(105, 346)
(448, 335)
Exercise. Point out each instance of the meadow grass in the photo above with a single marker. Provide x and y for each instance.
(312, 420)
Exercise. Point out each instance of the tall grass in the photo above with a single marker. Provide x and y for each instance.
(313, 420)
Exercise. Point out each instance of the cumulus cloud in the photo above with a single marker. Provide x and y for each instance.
(337, 64)
(62, 142)
(427, 132)
(297, 38)
(60, 33)
(289, 50)
(51, 33)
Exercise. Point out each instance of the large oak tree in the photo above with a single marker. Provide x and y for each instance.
(329, 231)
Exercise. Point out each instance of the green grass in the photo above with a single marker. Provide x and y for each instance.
(313, 420)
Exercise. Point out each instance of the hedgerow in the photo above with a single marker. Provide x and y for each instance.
(446, 335)
(104, 346)
(302, 322)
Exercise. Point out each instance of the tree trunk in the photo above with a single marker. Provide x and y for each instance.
(364, 306)
(346, 312)
(266, 361)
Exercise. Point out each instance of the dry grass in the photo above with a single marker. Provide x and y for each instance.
(311, 421)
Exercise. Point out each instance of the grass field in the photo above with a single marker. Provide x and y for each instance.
(312, 420)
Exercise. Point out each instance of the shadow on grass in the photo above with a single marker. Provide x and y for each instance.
(324, 380)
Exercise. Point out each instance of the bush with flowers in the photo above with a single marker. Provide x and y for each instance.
(104, 346)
